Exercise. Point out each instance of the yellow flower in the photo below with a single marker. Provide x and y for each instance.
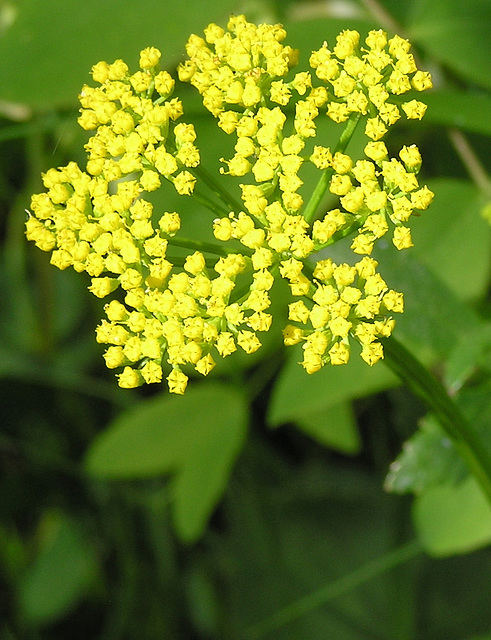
(340, 327)
(298, 312)
(151, 372)
(195, 263)
(377, 151)
(340, 184)
(402, 238)
(149, 58)
(102, 287)
(164, 83)
(248, 341)
(375, 128)
(184, 183)
(225, 344)
(177, 381)
(422, 199)
(372, 353)
(410, 156)
(205, 365)
(394, 301)
(414, 109)
(129, 378)
(421, 81)
(339, 353)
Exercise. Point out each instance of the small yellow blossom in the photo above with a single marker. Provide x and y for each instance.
(402, 238)
(414, 109)
(248, 341)
(129, 378)
(177, 381)
(339, 353)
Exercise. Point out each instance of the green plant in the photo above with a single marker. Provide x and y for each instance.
(252, 257)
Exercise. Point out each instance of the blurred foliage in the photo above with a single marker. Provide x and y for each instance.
(254, 505)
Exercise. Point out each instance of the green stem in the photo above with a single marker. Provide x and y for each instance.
(334, 589)
(348, 132)
(218, 190)
(471, 161)
(343, 233)
(210, 204)
(321, 187)
(382, 16)
(431, 391)
(317, 195)
(199, 245)
(207, 202)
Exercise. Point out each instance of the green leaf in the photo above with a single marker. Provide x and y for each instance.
(456, 33)
(297, 393)
(60, 574)
(427, 459)
(195, 437)
(467, 110)
(452, 519)
(335, 427)
(452, 238)
(46, 55)
(451, 513)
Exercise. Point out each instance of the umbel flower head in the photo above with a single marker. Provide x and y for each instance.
(170, 314)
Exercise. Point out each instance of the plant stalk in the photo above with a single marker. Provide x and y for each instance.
(199, 245)
(424, 384)
(323, 183)
(334, 589)
(218, 190)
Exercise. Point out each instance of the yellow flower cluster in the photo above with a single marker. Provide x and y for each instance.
(134, 122)
(182, 311)
(372, 191)
(235, 67)
(184, 316)
(97, 221)
(343, 300)
(239, 73)
(365, 79)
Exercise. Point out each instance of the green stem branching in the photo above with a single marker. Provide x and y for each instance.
(209, 204)
(215, 207)
(321, 187)
(221, 193)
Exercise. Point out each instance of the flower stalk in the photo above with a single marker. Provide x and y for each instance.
(311, 208)
(231, 203)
